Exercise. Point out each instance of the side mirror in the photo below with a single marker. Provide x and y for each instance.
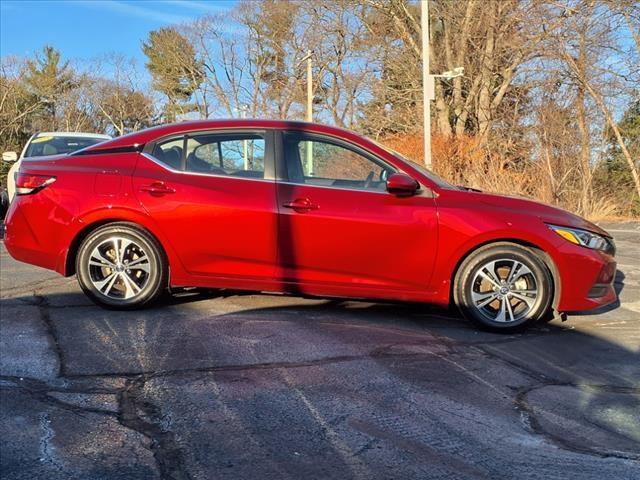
(402, 185)
(9, 157)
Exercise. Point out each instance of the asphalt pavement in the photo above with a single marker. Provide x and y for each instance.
(227, 385)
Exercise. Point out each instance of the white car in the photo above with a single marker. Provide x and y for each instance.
(48, 143)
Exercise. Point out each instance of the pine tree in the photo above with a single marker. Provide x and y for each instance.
(175, 69)
(47, 78)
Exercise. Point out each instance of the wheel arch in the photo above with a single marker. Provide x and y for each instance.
(541, 252)
(74, 246)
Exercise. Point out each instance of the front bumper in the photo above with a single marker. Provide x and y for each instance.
(586, 278)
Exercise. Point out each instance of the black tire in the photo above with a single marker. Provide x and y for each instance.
(4, 203)
(515, 306)
(150, 283)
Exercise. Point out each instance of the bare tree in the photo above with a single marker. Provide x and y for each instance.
(119, 98)
(596, 24)
(17, 105)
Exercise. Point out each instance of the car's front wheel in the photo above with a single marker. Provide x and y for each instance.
(121, 266)
(503, 287)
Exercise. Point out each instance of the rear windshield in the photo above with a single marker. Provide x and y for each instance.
(42, 146)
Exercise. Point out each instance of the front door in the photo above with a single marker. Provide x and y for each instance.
(211, 197)
(341, 232)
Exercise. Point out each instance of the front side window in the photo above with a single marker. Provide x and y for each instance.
(315, 161)
(237, 155)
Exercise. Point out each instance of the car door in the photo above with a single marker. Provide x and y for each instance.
(341, 231)
(213, 196)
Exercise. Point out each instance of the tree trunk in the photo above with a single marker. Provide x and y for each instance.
(443, 124)
(605, 111)
(610, 120)
(486, 73)
(583, 127)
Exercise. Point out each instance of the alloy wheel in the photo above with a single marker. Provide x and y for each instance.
(504, 290)
(119, 268)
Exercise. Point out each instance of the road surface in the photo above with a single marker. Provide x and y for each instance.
(222, 385)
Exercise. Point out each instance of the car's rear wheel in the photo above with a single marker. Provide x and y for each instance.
(121, 266)
(503, 287)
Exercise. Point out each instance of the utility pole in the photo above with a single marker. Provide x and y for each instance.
(245, 150)
(309, 114)
(309, 117)
(427, 82)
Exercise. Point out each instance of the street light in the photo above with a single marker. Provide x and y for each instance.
(429, 94)
(450, 74)
(428, 81)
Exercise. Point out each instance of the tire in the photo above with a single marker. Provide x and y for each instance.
(133, 276)
(4, 203)
(503, 287)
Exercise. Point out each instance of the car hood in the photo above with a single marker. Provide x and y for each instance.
(547, 213)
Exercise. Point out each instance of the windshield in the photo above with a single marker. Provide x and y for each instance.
(422, 169)
(42, 146)
(427, 173)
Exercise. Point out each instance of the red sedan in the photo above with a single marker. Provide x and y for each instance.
(298, 208)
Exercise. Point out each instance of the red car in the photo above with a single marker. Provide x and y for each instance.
(299, 208)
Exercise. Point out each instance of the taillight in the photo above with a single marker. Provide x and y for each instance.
(27, 183)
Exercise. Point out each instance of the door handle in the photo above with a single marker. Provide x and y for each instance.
(157, 189)
(301, 205)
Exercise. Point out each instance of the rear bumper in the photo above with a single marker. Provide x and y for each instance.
(24, 244)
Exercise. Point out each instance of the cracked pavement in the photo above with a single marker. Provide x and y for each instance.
(214, 385)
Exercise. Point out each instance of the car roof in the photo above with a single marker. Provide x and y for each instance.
(72, 134)
(137, 140)
(143, 137)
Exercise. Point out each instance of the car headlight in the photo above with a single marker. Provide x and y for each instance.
(584, 238)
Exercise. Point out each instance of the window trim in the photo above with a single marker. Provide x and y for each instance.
(266, 134)
(283, 176)
(343, 189)
(200, 174)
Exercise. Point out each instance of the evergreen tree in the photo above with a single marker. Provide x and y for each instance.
(47, 79)
(615, 170)
(174, 67)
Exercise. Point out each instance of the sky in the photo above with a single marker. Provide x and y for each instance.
(88, 29)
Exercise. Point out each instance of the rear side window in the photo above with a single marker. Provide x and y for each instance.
(239, 154)
(170, 153)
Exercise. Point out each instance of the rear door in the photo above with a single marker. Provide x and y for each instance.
(213, 196)
(340, 230)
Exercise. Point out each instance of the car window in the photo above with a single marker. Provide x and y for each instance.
(320, 162)
(50, 145)
(422, 169)
(170, 153)
(238, 155)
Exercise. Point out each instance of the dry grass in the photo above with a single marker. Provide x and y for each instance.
(463, 161)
